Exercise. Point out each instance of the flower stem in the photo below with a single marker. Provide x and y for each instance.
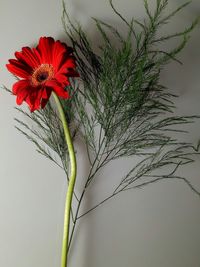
(71, 183)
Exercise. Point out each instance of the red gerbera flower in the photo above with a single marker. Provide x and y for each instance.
(43, 69)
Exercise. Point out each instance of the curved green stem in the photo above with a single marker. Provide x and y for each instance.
(71, 183)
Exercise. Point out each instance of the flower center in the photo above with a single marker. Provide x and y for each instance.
(42, 74)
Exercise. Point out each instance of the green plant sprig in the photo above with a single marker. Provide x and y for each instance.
(120, 109)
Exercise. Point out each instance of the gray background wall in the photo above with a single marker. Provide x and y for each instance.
(158, 226)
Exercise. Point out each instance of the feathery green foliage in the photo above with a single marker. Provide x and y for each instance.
(119, 106)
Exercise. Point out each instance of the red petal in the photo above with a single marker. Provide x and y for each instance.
(37, 99)
(57, 88)
(58, 51)
(37, 54)
(21, 89)
(28, 57)
(33, 98)
(30, 103)
(45, 48)
(44, 102)
(72, 73)
(46, 93)
(68, 64)
(18, 69)
(63, 79)
(20, 85)
(21, 97)
(45, 97)
(61, 53)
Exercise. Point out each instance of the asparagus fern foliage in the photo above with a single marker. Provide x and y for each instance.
(119, 107)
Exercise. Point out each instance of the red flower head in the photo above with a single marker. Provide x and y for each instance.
(43, 69)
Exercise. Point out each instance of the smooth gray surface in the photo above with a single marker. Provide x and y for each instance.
(158, 226)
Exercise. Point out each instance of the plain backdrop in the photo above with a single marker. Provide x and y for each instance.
(158, 226)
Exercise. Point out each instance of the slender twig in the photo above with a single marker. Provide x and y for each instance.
(97, 205)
